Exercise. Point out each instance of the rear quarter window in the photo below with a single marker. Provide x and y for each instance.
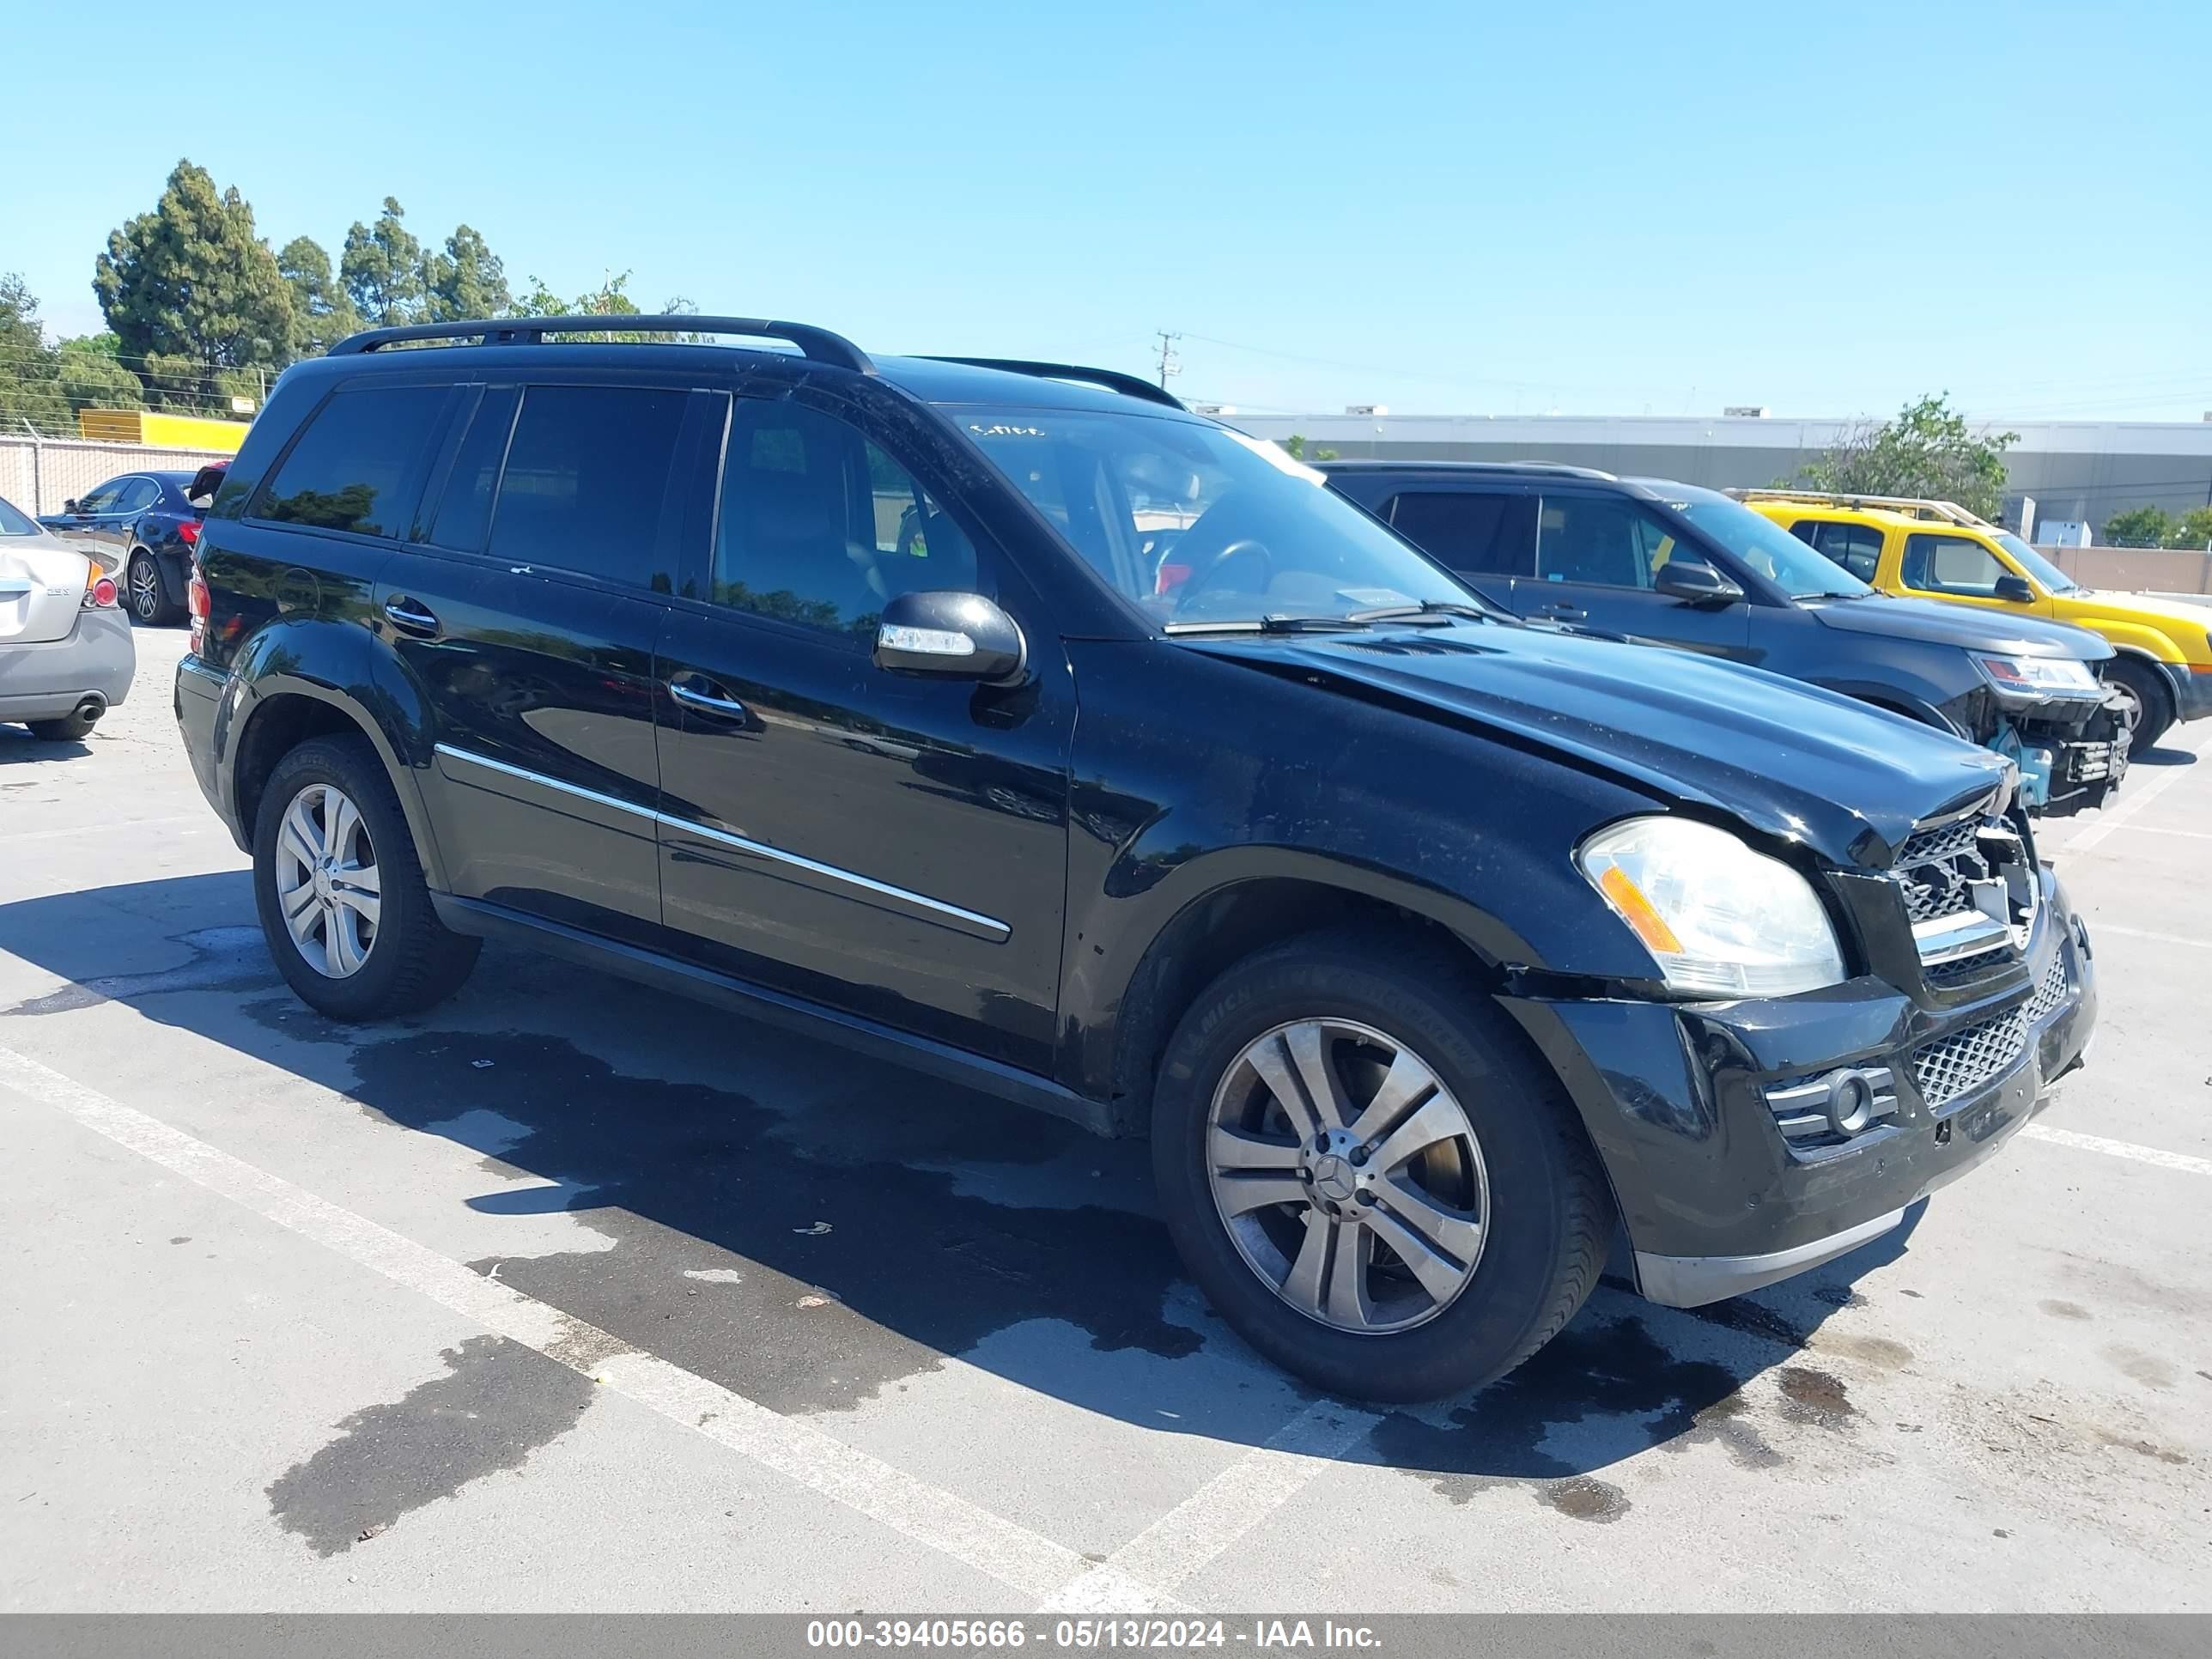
(353, 466)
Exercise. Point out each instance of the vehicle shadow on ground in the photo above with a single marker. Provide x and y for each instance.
(816, 1231)
(18, 746)
(2161, 757)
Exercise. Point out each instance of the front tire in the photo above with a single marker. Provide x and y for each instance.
(2149, 708)
(340, 890)
(1371, 1177)
(150, 601)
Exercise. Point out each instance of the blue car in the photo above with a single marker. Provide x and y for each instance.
(144, 526)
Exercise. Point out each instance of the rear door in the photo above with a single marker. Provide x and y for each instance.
(524, 615)
(1853, 547)
(893, 846)
(1486, 537)
(104, 518)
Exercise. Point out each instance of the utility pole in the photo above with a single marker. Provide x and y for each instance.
(1169, 362)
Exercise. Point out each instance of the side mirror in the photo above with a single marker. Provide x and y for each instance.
(958, 637)
(1695, 582)
(69, 506)
(2018, 589)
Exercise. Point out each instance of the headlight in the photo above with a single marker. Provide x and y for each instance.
(1720, 920)
(2031, 678)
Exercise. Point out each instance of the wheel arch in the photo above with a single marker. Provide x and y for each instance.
(286, 702)
(1236, 916)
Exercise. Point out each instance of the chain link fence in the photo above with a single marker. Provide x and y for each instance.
(39, 474)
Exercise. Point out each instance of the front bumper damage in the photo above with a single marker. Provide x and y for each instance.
(2071, 755)
(1687, 1104)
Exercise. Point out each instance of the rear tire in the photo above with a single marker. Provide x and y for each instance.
(332, 848)
(1361, 1318)
(2147, 692)
(150, 601)
(69, 728)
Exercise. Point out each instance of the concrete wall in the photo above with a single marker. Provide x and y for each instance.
(2136, 569)
(2077, 470)
(37, 477)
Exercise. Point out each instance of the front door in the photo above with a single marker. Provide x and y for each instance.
(106, 518)
(1596, 558)
(525, 616)
(895, 847)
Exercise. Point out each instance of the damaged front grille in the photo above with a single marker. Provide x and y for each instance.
(1968, 890)
(2050, 990)
(1961, 1062)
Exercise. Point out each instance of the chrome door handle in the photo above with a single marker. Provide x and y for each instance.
(410, 615)
(1563, 611)
(707, 702)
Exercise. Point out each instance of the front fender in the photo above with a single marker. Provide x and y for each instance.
(337, 664)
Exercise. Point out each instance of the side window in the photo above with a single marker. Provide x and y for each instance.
(349, 467)
(1856, 547)
(138, 495)
(1599, 540)
(106, 499)
(1473, 533)
(586, 471)
(1951, 564)
(818, 526)
(465, 506)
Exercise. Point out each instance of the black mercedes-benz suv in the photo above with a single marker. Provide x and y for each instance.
(1009, 718)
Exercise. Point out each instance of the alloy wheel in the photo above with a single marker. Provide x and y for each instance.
(1348, 1175)
(2132, 707)
(145, 589)
(328, 888)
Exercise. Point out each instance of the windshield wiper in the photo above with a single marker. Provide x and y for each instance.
(1278, 623)
(1441, 609)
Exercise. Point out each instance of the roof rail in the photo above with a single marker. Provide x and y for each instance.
(1917, 507)
(817, 345)
(1129, 386)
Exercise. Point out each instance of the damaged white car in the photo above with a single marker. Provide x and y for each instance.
(66, 657)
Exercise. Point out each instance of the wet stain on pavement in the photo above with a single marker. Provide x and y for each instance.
(2145, 1368)
(498, 1402)
(837, 1266)
(2058, 1309)
(222, 960)
(1601, 1391)
(1815, 1396)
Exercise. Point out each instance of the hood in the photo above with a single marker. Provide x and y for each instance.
(1788, 759)
(1970, 627)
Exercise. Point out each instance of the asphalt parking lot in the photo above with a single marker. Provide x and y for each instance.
(567, 1295)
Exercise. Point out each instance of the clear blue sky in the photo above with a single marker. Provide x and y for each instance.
(1448, 208)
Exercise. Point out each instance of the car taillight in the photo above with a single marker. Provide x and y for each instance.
(101, 593)
(188, 532)
(196, 602)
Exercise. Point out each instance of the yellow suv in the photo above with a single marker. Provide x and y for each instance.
(1939, 550)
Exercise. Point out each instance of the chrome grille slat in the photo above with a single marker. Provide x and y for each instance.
(2050, 990)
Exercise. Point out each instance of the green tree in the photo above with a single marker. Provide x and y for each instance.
(467, 280)
(189, 290)
(381, 268)
(322, 315)
(2194, 530)
(30, 389)
(1295, 448)
(2139, 526)
(1928, 451)
(91, 376)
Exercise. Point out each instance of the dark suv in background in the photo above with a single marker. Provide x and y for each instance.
(1673, 564)
(1009, 719)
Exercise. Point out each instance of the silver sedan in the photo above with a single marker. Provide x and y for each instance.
(66, 656)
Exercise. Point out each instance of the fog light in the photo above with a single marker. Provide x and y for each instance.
(1833, 1106)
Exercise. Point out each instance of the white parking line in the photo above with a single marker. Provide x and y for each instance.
(202, 820)
(1221, 1511)
(2104, 927)
(2127, 1149)
(1028, 1562)
(2160, 829)
(2132, 801)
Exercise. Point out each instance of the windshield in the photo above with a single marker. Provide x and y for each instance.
(1200, 525)
(2053, 578)
(1769, 549)
(12, 523)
